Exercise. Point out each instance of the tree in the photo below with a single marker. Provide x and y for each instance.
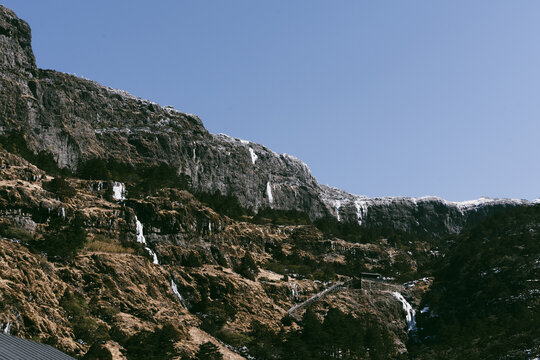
(248, 268)
(208, 351)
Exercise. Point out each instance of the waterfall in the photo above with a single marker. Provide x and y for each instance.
(119, 191)
(175, 291)
(410, 317)
(141, 239)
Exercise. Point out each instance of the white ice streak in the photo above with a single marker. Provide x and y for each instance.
(7, 329)
(337, 205)
(361, 210)
(141, 239)
(410, 317)
(254, 156)
(119, 191)
(269, 192)
(176, 293)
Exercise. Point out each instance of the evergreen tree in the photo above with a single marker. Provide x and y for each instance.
(208, 351)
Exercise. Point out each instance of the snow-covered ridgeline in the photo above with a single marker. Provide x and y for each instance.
(119, 191)
(141, 239)
(340, 202)
(410, 317)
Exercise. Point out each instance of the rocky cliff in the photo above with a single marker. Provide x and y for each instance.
(76, 120)
(128, 231)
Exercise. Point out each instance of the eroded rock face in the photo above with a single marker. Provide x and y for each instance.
(77, 120)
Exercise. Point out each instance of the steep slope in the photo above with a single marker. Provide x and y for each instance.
(81, 126)
(485, 301)
(127, 231)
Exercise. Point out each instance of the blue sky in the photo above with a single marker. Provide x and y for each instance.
(378, 97)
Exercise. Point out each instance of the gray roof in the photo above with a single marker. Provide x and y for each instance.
(14, 348)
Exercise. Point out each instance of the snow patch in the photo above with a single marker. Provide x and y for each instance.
(410, 317)
(254, 156)
(269, 193)
(7, 329)
(119, 191)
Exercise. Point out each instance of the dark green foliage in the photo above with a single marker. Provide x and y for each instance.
(247, 267)
(223, 204)
(140, 180)
(62, 239)
(98, 352)
(281, 217)
(12, 232)
(208, 351)
(483, 291)
(157, 345)
(60, 187)
(84, 326)
(338, 336)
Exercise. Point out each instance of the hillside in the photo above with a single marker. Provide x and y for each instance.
(129, 231)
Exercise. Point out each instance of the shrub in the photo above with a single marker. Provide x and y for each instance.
(247, 267)
(84, 326)
(208, 351)
(62, 240)
(60, 187)
(12, 232)
(153, 345)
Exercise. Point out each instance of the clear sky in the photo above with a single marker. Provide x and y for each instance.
(378, 97)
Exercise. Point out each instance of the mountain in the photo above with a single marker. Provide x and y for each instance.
(129, 231)
(83, 127)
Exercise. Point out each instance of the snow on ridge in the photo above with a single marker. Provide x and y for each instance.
(360, 204)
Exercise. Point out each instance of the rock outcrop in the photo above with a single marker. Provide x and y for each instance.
(76, 120)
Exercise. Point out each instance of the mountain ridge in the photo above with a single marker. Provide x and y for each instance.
(77, 120)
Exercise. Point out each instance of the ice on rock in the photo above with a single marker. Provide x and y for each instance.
(254, 156)
(119, 191)
(141, 239)
(176, 293)
(337, 205)
(269, 192)
(410, 317)
(361, 210)
(7, 329)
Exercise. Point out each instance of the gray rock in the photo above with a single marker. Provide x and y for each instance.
(76, 120)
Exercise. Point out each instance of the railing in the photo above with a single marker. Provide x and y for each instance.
(334, 288)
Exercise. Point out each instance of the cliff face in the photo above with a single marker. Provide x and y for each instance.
(158, 270)
(76, 120)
